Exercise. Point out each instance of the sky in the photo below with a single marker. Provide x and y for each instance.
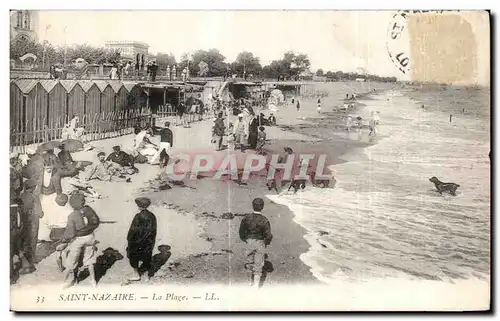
(333, 40)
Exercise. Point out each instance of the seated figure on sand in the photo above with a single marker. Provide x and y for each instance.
(105, 171)
(122, 159)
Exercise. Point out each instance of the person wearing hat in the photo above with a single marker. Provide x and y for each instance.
(255, 231)
(122, 159)
(218, 130)
(141, 239)
(104, 170)
(166, 142)
(68, 167)
(272, 119)
(79, 239)
(253, 132)
(31, 213)
(240, 132)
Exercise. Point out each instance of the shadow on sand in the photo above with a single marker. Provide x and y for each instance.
(103, 263)
(268, 268)
(158, 260)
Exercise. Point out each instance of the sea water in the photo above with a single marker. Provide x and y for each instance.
(384, 220)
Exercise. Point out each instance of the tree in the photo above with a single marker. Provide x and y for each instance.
(320, 72)
(19, 47)
(163, 60)
(203, 69)
(296, 63)
(276, 69)
(213, 58)
(246, 63)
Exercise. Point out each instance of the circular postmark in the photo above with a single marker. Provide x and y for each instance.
(398, 42)
(398, 39)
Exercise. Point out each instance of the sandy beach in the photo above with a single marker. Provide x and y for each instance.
(199, 227)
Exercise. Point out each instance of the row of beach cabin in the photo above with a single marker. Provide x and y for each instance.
(37, 103)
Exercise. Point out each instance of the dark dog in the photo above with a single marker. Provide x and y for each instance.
(296, 184)
(323, 183)
(444, 187)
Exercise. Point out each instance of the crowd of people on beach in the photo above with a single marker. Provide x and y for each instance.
(50, 192)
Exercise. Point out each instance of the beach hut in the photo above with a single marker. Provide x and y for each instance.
(29, 109)
(122, 102)
(76, 98)
(57, 101)
(92, 97)
(19, 91)
(107, 96)
(121, 95)
(136, 96)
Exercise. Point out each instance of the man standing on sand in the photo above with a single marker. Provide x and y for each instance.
(298, 105)
(166, 142)
(255, 231)
(219, 130)
(31, 213)
(240, 132)
(141, 239)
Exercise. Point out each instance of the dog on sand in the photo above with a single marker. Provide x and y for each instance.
(444, 187)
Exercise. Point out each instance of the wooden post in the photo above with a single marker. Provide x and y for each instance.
(165, 98)
(149, 95)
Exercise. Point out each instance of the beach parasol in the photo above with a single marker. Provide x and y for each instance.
(72, 145)
(33, 169)
(49, 146)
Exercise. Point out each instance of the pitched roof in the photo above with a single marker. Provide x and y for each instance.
(116, 85)
(102, 84)
(85, 84)
(129, 86)
(68, 84)
(48, 84)
(26, 85)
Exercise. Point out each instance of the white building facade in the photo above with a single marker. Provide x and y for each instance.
(130, 50)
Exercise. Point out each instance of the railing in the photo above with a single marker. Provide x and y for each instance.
(97, 126)
(169, 113)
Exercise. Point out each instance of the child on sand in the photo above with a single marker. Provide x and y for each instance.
(348, 123)
(78, 248)
(141, 239)
(255, 231)
(319, 106)
(298, 105)
(261, 139)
